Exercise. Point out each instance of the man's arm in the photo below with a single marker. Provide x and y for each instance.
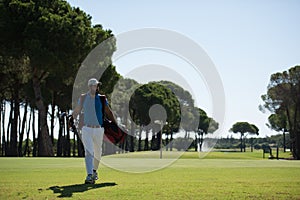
(78, 108)
(109, 114)
(76, 111)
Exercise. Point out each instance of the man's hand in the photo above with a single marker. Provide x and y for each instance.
(70, 121)
(76, 112)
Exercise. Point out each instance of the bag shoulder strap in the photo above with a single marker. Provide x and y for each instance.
(103, 101)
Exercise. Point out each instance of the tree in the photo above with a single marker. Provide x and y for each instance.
(15, 75)
(202, 128)
(189, 113)
(213, 125)
(278, 122)
(283, 98)
(243, 128)
(206, 125)
(251, 139)
(147, 97)
(120, 103)
(54, 36)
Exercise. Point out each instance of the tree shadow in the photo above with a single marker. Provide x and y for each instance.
(68, 190)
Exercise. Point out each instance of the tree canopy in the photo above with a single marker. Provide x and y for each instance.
(243, 128)
(151, 94)
(283, 101)
(50, 39)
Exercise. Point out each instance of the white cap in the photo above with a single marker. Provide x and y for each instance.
(93, 81)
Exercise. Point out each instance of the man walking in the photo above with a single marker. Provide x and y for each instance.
(92, 130)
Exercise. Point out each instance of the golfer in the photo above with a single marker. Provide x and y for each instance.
(92, 130)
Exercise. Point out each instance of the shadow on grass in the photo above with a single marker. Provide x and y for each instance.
(68, 190)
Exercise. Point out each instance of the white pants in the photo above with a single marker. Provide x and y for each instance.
(92, 139)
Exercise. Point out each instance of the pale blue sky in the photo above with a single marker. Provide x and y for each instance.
(246, 40)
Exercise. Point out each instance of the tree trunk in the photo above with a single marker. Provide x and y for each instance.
(171, 141)
(8, 129)
(153, 138)
(241, 142)
(20, 152)
(284, 145)
(201, 141)
(34, 149)
(159, 139)
(146, 147)
(167, 142)
(127, 143)
(74, 146)
(60, 136)
(297, 134)
(13, 144)
(68, 141)
(1, 114)
(131, 148)
(52, 117)
(64, 139)
(140, 140)
(297, 152)
(3, 144)
(196, 142)
(26, 149)
(293, 136)
(244, 144)
(45, 146)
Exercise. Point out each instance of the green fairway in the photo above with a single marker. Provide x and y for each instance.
(186, 178)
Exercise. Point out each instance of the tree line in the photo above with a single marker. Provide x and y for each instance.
(141, 115)
(42, 46)
(273, 141)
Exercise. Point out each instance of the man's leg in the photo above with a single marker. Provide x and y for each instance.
(98, 140)
(87, 141)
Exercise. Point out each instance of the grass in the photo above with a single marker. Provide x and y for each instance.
(231, 176)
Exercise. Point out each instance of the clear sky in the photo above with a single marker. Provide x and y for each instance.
(247, 41)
